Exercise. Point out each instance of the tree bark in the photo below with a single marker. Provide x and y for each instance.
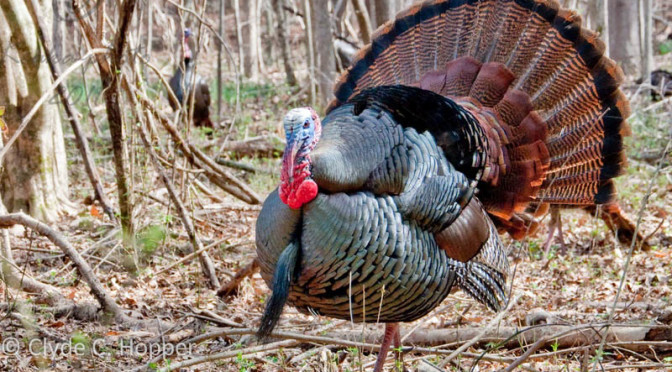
(325, 62)
(598, 19)
(110, 73)
(283, 37)
(58, 30)
(647, 39)
(35, 178)
(71, 113)
(385, 10)
(363, 19)
(310, 50)
(220, 47)
(250, 34)
(624, 34)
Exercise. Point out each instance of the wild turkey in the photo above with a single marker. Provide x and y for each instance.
(661, 81)
(461, 119)
(201, 94)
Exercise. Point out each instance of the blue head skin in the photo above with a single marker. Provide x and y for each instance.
(302, 131)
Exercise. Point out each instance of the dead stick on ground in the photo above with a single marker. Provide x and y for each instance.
(105, 300)
(537, 333)
(231, 354)
(70, 111)
(231, 287)
(190, 256)
(573, 335)
(491, 325)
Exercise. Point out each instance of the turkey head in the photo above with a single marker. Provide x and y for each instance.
(302, 131)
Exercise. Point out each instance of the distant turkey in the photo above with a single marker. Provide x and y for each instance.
(202, 92)
(661, 81)
(460, 120)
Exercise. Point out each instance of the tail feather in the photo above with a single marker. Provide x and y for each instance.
(283, 277)
(538, 82)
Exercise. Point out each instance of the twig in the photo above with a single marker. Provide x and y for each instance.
(206, 262)
(213, 317)
(190, 256)
(242, 166)
(215, 173)
(230, 354)
(83, 267)
(231, 287)
(626, 265)
(26, 119)
(490, 325)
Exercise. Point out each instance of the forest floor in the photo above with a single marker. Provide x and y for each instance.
(575, 289)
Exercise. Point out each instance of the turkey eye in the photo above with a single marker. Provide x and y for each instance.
(306, 124)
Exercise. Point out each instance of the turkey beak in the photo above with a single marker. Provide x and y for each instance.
(289, 158)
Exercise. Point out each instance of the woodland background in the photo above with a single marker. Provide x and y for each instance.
(124, 223)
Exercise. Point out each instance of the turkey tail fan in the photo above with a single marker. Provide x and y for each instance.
(538, 82)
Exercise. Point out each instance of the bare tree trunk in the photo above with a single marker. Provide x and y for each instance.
(385, 10)
(371, 6)
(324, 50)
(220, 47)
(363, 19)
(310, 50)
(35, 177)
(647, 39)
(250, 33)
(624, 34)
(71, 113)
(598, 17)
(58, 31)
(283, 37)
(150, 34)
(110, 79)
(239, 36)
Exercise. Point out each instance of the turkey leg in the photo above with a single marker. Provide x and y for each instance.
(555, 224)
(391, 336)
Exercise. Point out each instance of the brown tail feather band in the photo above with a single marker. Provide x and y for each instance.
(529, 65)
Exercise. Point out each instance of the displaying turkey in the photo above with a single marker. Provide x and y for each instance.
(201, 94)
(461, 119)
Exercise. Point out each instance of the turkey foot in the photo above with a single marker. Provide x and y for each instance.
(555, 224)
(391, 336)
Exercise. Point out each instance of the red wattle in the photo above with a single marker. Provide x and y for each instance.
(298, 196)
(306, 192)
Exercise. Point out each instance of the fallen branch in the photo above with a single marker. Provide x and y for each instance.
(255, 146)
(242, 166)
(105, 300)
(230, 354)
(631, 337)
(188, 257)
(230, 288)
